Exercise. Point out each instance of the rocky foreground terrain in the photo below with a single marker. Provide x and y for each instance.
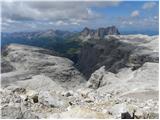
(119, 80)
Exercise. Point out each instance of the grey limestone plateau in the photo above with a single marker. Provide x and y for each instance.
(119, 80)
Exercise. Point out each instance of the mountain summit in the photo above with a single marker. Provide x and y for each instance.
(99, 33)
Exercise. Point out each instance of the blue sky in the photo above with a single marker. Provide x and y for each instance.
(128, 16)
(121, 15)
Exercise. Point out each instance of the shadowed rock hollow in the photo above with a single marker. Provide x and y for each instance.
(116, 52)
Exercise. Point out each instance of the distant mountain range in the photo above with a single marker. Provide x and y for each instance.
(37, 34)
(86, 32)
(65, 42)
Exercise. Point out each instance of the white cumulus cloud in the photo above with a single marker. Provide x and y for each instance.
(52, 12)
(149, 5)
(135, 13)
(61, 23)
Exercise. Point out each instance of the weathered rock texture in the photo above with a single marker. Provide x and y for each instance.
(100, 33)
(122, 81)
(30, 61)
(118, 51)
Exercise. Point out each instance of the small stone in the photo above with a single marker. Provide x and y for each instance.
(52, 99)
(67, 94)
(84, 92)
(19, 90)
(88, 100)
(31, 93)
(35, 99)
(139, 114)
(126, 115)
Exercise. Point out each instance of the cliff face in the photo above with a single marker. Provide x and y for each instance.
(117, 52)
(100, 33)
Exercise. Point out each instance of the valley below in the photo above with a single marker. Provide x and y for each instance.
(96, 74)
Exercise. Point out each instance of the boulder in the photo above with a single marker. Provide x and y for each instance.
(68, 93)
(52, 99)
(118, 109)
(96, 78)
(144, 79)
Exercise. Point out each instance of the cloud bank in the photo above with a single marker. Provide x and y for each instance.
(39, 15)
(149, 5)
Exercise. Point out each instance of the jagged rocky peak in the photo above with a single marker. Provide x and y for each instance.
(99, 33)
(87, 31)
(112, 30)
(48, 33)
